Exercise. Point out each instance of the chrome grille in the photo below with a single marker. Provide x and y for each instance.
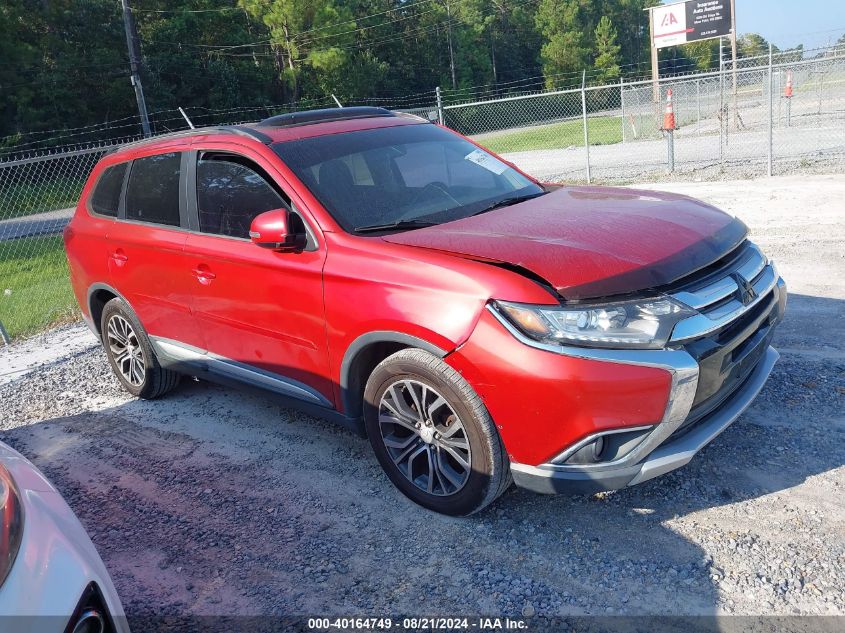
(722, 297)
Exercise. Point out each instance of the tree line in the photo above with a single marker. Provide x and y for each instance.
(64, 63)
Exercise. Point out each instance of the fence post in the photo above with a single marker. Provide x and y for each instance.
(4, 334)
(722, 117)
(698, 104)
(771, 110)
(440, 117)
(622, 104)
(584, 116)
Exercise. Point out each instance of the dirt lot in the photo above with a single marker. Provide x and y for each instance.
(216, 502)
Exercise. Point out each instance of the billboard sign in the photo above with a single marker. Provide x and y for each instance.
(689, 21)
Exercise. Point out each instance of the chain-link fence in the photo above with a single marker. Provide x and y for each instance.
(783, 117)
(37, 196)
(778, 118)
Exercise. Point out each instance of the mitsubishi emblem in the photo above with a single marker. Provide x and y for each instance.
(745, 291)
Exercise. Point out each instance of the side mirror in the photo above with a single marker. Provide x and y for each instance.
(272, 229)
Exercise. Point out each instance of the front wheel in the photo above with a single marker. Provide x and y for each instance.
(433, 435)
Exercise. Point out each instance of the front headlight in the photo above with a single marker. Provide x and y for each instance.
(644, 323)
(11, 523)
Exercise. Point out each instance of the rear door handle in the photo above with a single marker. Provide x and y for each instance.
(119, 257)
(203, 274)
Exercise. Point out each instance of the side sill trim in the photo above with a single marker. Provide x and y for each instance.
(178, 353)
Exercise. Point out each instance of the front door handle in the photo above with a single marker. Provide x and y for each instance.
(203, 274)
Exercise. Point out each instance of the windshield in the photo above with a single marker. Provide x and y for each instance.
(408, 176)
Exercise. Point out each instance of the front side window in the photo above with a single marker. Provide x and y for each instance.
(153, 191)
(230, 193)
(398, 176)
(106, 197)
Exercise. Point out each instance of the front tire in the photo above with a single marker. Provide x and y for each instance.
(432, 434)
(130, 354)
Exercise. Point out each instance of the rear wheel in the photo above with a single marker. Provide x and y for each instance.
(432, 434)
(130, 354)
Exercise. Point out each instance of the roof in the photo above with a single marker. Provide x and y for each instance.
(294, 125)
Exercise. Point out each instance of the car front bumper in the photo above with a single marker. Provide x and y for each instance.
(672, 454)
(584, 420)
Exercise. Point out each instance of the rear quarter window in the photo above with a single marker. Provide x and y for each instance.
(152, 194)
(106, 197)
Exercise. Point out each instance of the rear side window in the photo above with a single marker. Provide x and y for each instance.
(153, 191)
(230, 193)
(106, 197)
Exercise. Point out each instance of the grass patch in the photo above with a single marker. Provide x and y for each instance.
(27, 198)
(35, 287)
(603, 131)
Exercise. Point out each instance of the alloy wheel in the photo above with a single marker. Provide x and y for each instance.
(424, 437)
(126, 350)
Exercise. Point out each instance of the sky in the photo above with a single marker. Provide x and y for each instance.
(789, 22)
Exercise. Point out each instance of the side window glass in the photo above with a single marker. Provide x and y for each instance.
(153, 191)
(106, 197)
(230, 195)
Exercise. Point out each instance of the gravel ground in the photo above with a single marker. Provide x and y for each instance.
(213, 501)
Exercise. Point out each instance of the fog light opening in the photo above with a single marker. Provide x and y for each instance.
(598, 447)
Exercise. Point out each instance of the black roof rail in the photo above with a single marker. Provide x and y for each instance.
(240, 130)
(325, 115)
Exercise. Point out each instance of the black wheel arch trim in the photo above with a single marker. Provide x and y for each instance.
(348, 396)
(94, 288)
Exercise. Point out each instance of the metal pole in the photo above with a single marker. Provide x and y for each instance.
(584, 115)
(771, 109)
(698, 104)
(438, 96)
(733, 64)
(655, 72)
(670, 143)
(4, 334)
(821, 87)
(622, 104)
(721, 105)
(132, 43)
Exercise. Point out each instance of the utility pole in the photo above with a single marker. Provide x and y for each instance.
(451, 47)
(733, 56)
(133, 44)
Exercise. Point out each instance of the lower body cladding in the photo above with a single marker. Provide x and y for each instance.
(564, 425)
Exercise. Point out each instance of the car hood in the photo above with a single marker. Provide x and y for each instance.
(590, 242)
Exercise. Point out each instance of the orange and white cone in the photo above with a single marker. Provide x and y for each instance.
(787, 91)
(669, 115)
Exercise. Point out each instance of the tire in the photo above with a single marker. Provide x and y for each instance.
(130, 354)
(425, 455)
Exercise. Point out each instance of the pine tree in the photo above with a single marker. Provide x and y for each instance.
(607, 52)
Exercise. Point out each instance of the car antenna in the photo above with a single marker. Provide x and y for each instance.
(339, 104)
(182, 112)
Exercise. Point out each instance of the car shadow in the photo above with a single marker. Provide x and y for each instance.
(213, 501)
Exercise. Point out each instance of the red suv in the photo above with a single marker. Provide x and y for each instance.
(477, 325)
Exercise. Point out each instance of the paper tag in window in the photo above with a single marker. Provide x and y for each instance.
(485, 160)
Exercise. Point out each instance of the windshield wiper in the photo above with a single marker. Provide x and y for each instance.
(401, 224)
(506, 202)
